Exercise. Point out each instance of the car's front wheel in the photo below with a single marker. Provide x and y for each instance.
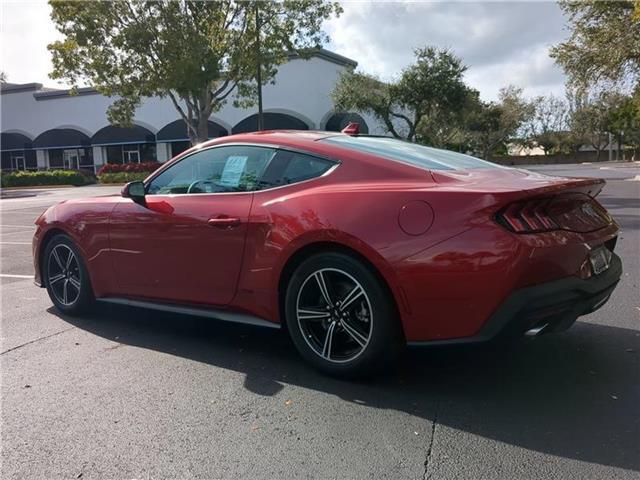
(340, 317)
(66, 276)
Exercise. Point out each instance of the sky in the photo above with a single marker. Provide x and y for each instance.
(502, 43)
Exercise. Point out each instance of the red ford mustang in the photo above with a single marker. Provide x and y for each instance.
(355, 244)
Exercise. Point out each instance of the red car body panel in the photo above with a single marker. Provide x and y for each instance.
(184, 259)
(430, 235)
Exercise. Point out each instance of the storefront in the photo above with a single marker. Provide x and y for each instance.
(17, 152)
(126, 145)
(48, 128)
(65, 148)
(176, 137)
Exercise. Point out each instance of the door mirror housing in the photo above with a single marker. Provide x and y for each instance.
(134, 191)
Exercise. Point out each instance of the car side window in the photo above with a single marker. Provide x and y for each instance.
(233, 168)
(291, 167)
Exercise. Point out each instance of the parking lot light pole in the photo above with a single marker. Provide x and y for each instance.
(259, 70)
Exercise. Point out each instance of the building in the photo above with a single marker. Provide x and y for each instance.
(43, 128)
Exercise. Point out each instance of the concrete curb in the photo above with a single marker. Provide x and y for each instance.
(32, 187)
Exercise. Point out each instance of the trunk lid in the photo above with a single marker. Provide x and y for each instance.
(529, 202)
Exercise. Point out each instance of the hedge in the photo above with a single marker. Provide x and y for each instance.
(144, 167)
(45, 177)
(122, 177)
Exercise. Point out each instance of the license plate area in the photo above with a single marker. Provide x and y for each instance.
(600, 259)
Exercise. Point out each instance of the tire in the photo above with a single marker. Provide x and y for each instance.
(356, 339)
(66, 277)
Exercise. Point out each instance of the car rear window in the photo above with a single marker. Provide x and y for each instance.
(411, 153)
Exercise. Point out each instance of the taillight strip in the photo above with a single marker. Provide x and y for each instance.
(572, 213)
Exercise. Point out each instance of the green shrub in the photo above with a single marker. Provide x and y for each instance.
(122, 177)
(45, 177)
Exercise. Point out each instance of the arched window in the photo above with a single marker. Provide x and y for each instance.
(17, 153)
(126, 145)
(67, 148)
(272, 121)
(176, 134)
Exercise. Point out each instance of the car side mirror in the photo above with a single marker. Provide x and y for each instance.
(134, 191)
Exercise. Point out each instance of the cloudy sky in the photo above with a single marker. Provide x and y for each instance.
(501, 42)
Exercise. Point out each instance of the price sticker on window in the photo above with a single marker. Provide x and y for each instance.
(233, 170)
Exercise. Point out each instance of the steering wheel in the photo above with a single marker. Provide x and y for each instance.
(193, 184)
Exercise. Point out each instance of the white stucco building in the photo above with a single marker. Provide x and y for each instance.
(45, 128)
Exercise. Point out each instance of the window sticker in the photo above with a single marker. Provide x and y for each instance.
(233, 170)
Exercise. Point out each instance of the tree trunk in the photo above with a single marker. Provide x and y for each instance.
(202, 128)
(193, 136)
(618, 155)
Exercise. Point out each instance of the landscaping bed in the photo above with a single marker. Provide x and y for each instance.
(45, 178)
(128, 172)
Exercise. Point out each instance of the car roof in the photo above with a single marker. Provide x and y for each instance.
(372, 148)
(275, 136)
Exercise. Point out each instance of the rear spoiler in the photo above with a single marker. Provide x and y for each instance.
(515, 183)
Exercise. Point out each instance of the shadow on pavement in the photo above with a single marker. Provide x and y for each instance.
(30, 192)
(18, 193)
(574, 395)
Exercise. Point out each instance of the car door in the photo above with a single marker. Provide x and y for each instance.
(185, 243)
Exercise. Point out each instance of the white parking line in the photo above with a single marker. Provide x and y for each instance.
(15, 243)
(15, 232)
(7, 275)
(17, 226)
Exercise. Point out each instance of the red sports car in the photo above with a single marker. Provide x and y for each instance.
(356, 245)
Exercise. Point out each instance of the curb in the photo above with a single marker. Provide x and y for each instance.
(32, 187)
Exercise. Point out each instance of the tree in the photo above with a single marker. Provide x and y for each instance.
(593, 118)
(196, 53)
(430, 89)
(446, 128)
(492, 124)
(3, 77)
(604, 45)
(547, 126)
(624, 122)
(577, 132)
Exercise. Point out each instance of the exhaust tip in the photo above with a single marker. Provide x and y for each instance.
(535, 331)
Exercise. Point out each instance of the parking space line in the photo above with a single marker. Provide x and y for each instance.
(22, 211)
(8, 275)
(16, 231)
(15, 243)
(17, 226)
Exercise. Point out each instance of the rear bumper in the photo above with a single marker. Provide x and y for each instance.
(548, 307)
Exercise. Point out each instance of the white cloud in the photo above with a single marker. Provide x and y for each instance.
(25, 31)
(533, 70)
(502, 43)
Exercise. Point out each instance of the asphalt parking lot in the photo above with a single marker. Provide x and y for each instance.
(131, 393)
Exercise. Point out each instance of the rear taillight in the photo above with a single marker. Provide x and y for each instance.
(527, 217)
(573, 212)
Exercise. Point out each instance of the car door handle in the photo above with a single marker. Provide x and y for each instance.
(223, 222)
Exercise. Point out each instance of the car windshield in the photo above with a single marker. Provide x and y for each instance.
(411, 153)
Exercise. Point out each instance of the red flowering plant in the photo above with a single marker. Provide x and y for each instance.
(143, 167)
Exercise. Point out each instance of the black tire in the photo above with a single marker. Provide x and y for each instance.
(64, 273)
(372, 314)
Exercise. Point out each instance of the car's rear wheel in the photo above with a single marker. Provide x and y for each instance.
(66, 276)
(340, 317)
